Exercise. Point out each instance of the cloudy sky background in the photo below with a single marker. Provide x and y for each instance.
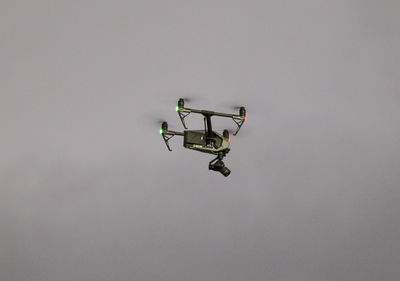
(88, 190)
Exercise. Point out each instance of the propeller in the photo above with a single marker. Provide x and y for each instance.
(189, 99)
(156, 122)
(182, 100)
(230, 131)
(234, 107)
(160, 123)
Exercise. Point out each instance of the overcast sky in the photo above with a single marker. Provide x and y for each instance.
(89, 192)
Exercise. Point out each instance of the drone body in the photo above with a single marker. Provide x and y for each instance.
(197, 140)
(207, 140)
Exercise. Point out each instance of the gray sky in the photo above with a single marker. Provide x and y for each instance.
(90, 192)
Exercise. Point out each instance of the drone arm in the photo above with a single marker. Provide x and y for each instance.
(167, 135)
(238, 119)
(183, 112)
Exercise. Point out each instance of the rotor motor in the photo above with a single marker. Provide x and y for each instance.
(242, 111)
(164, 126)
(181, 103)
(226, 134)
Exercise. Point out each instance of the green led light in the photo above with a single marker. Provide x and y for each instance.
(161, 131)
(177, 108)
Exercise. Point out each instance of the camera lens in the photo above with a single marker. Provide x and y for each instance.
(225, 171)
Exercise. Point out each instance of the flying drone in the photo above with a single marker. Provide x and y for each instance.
(207, 140)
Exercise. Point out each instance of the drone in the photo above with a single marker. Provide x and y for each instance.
(207, 140)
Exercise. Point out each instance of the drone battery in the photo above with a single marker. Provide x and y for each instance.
(194, 138)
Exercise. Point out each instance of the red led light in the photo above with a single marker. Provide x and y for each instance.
(245, 117)
(229, 139)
